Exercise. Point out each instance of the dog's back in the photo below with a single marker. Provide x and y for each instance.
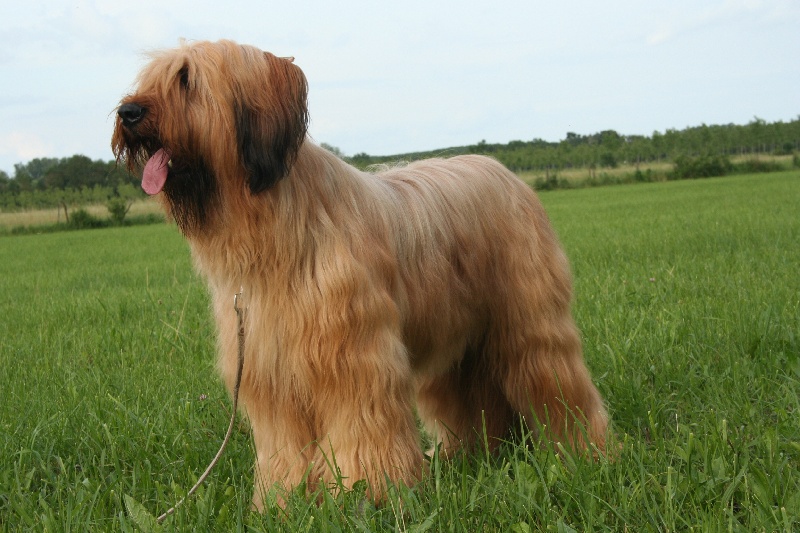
(468, 235)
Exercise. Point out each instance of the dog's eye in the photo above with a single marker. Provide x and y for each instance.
(184, 77)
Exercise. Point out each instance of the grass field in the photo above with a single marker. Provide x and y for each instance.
(687, 293)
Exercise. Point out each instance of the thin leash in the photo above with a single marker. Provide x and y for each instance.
(240, 320)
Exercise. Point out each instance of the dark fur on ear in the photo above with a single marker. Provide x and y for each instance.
(271, 126)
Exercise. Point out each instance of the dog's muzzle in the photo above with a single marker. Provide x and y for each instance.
(131, 114)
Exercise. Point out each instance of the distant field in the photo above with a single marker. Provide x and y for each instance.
(687, 294)
(41, 217)
(578, 175)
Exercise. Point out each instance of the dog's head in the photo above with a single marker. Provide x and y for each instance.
(207, 117)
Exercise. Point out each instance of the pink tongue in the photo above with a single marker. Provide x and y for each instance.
(155, 172)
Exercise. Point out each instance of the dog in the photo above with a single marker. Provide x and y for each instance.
(435, 290)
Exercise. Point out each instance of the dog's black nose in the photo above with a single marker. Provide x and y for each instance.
(131, 113)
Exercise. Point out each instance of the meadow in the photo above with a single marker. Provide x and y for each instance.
(47, 220)
(687, 295)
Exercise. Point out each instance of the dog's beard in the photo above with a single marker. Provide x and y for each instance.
(191, 192)
(190, 188)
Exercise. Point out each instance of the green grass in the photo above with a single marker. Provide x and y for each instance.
(687, 294)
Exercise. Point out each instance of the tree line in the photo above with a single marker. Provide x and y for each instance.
(76, 180)
(609, 149)
(699, 150)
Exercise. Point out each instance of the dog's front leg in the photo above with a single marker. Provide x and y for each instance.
(370, 430)
(285, 451)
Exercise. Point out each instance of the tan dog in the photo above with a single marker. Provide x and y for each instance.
(439, 285)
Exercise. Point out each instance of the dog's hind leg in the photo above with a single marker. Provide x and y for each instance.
(546, 378)
(538, 354)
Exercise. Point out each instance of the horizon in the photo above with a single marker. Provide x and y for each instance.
(487, 142)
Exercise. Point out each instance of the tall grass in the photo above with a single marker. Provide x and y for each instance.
(32, 219)
(687, 294)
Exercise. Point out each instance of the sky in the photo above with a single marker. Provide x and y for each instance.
(393, 77)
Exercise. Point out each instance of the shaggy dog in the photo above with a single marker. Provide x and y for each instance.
(438, 286)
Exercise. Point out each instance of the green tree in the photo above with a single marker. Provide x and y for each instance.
(35, 168)
(23, 182)
(608, 160)
(77, 172)
(757, 131)
(4, 181)
(333, 149)
(611, 140)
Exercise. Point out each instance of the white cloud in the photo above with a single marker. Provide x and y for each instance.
(677, 21)
(659, 36)
(23, 145)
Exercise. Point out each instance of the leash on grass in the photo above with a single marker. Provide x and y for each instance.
(240, 323)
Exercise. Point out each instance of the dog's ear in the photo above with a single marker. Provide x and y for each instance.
(271, 125)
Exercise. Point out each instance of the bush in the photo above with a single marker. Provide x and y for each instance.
(82, 219)
(117, 209)
(551, 183)
(706, 166)
(753, 166)
(645, 177)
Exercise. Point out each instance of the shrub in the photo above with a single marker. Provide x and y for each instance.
(551, 183)
(82, 219)
(752, 166)
(117, 209)
(706, 166)
(647, 176)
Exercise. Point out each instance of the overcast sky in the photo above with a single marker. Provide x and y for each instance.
(392, 77)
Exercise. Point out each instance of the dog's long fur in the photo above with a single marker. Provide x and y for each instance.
(439, 285)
